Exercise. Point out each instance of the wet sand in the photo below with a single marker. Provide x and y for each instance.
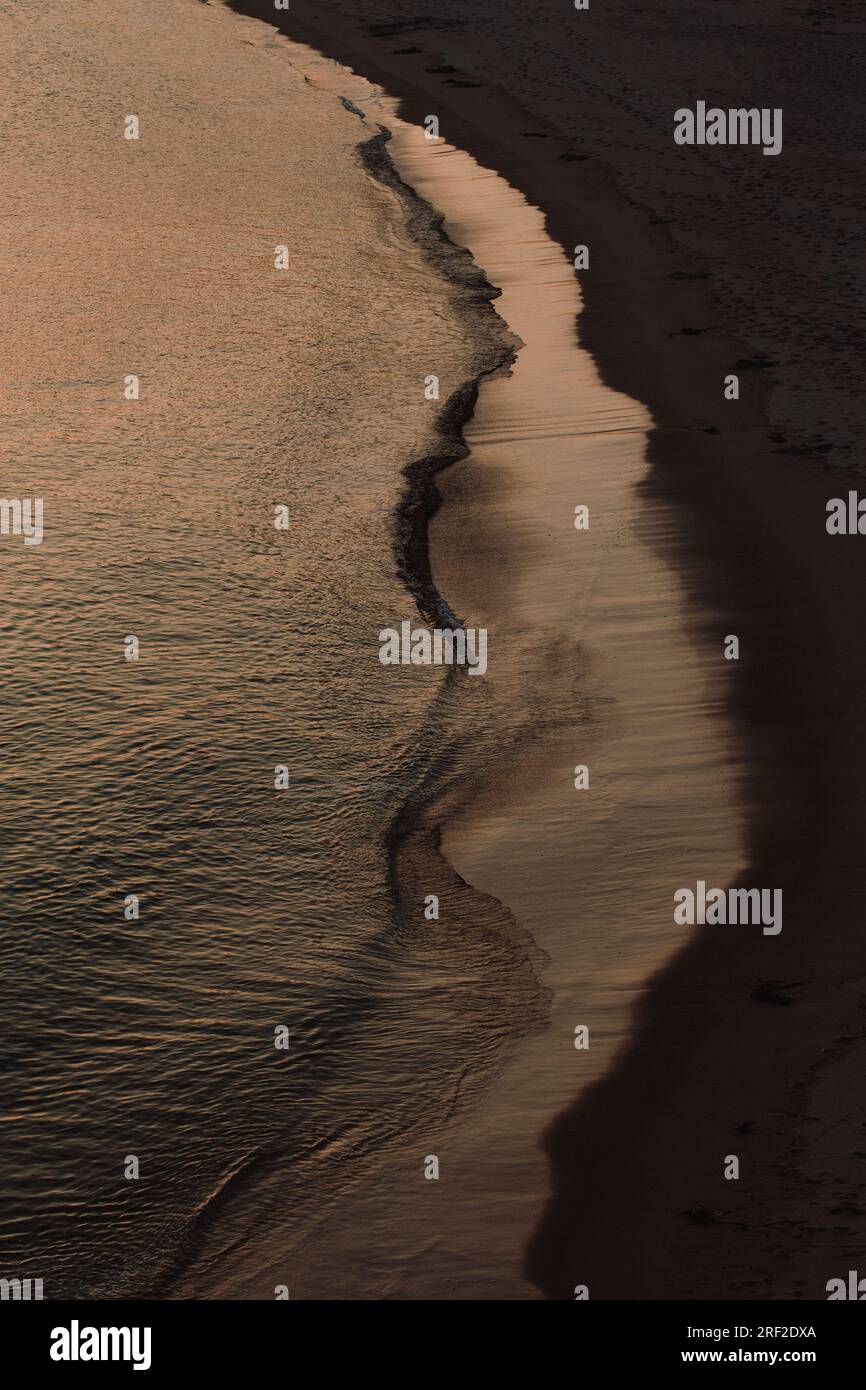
(742, 1044)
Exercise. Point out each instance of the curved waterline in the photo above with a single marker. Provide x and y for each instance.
(589, 660)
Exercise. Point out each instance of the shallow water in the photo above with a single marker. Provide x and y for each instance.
(156, 777)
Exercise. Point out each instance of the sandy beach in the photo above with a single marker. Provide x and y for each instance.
(338, 979)
(742, 1044)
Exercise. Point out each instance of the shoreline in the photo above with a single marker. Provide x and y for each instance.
(625, 1162)
(421, 498)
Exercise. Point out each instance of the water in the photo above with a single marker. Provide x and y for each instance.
(155, 1037)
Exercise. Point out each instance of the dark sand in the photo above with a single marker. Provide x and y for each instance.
(638, 1206)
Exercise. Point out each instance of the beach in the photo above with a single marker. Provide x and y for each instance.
(696, 270)
(453, 896)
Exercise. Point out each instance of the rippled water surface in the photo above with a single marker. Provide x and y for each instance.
(155, 777)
